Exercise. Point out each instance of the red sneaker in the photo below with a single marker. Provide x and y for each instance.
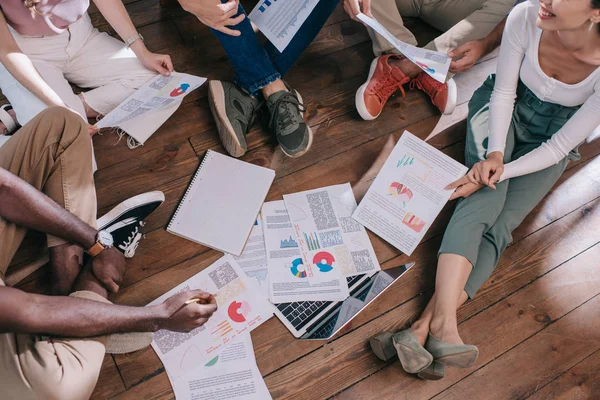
(382, 82)
(443, 95)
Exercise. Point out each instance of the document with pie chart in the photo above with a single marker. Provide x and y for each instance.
(241, 308)
(331, 242)
(289, 278)
(408, 193)
(156, 94)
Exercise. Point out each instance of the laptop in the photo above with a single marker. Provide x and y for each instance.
(321, 320)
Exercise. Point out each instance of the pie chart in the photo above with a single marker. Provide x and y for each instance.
(297, 268)
(181, 89)
(324, 261)
(238, 311)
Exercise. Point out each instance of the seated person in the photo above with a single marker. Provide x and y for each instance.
(258, 80)
(460, 20)
(47, 44)
(524, 125)
(51, 153)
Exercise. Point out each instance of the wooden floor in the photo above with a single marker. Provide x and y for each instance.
(536, 322)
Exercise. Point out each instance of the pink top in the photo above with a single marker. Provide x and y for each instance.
(52, 18)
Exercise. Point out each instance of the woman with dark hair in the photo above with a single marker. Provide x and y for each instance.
(47, 44)
(524, 125)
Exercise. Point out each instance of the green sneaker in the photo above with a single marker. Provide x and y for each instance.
(286, 120)
(234, 112)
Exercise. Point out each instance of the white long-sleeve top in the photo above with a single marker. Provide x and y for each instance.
(519, 58)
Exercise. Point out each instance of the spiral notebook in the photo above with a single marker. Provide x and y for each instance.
(222, 203)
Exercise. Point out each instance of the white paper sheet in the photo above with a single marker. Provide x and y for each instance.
(232, 374)
(288, 277)
(253, 260)
(280, 20)
(328, 237)
(408, 193)
(241, 309)
(434, 63)
(156, 94)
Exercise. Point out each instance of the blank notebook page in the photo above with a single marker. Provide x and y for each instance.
(222, 203)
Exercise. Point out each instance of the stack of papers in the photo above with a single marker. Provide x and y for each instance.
(241, 309)
(313, 245)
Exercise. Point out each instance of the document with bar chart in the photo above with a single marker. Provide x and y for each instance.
(408, 193)
(280, 20)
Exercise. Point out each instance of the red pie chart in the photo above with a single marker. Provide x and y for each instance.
(238, 311)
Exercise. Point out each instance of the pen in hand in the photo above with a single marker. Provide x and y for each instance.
(209, 299)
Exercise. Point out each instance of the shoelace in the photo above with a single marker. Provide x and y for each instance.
(385, 87)
(287, 102)
(430, 86)
(131, 244)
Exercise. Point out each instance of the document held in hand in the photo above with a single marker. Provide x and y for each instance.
(434, 63)
(408, 193)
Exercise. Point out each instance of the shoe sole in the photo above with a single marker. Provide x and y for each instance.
(310, 135)
(122, 208)
(216, 100)
(383, 347)
(452, 94)
(460, 360)
(359, 99)
(405, 356)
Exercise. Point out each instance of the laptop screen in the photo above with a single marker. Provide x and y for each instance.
(360, 297)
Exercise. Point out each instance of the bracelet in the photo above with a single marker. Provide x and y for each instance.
(132, 39)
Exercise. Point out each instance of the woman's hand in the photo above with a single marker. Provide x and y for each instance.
(464, 188)
(353, 8)
(160, 63)
(489, 171)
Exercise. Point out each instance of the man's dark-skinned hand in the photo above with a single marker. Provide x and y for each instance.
(109, 268)
(186, 317)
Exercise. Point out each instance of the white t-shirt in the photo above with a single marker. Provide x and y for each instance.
(519, 58)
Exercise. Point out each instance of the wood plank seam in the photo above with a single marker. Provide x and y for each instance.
(525, 340)
(594, 354)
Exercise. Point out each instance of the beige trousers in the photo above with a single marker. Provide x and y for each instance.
(52, 153)
(89, 59)
(460, 20)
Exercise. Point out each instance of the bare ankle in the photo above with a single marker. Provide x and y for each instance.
(409, 69)
(445, 328)
(420, 328)
(273, 87)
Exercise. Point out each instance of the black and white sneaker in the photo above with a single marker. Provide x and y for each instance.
(125, 220)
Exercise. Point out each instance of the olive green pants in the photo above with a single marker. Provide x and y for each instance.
(480, 228)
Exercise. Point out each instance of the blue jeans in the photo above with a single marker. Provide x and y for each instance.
(257, 66)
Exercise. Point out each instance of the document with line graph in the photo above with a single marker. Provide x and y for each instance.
(241, 309)
(280, 20)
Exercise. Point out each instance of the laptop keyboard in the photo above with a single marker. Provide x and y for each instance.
(299, 313)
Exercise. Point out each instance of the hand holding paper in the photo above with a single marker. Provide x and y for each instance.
(352, 8)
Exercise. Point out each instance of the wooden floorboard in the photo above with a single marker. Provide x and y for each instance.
(538, 305)
(580, 382)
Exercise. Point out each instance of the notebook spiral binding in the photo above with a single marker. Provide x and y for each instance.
(208, 153)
